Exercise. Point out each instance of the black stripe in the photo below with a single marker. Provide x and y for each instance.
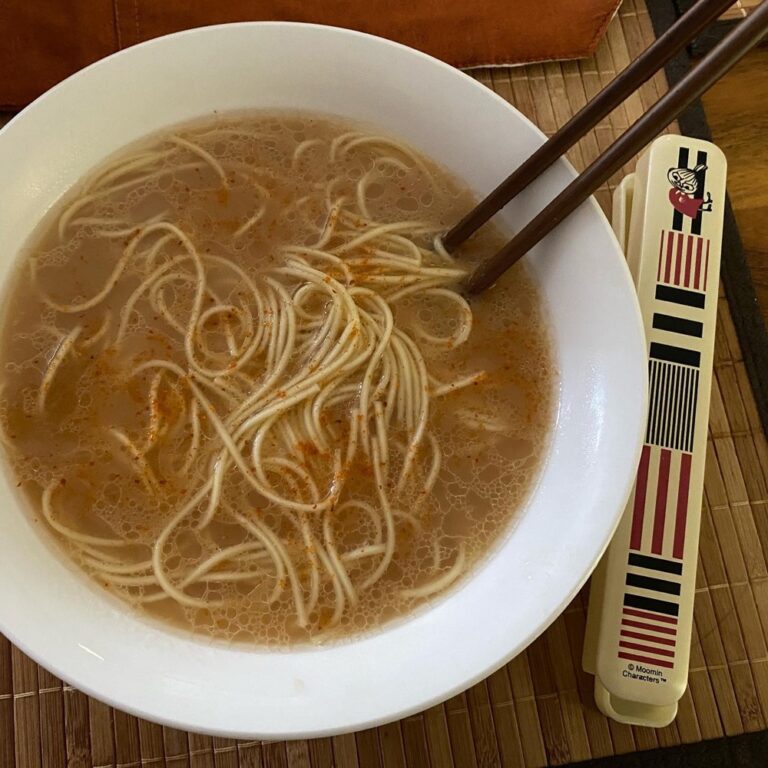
(677, 325)
(675, 354)
(663, 384)
(680, 296)
(667, 387)
(682, 162)
(658, 401)
(651, 391)
(691, 387)
(686, 431)
(654, 402)
(655, 563)
(649, 604)
(682, 421)
(701, 178)
(655, 585)
(694, 402)
(673, 434)
(685, 427)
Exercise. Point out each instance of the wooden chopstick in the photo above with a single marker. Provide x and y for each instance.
(702, 76)
(626, 82)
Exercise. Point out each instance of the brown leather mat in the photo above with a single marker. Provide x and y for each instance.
(47, 40)
(538, 710)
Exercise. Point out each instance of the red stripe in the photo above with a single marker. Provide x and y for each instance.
(647, 638)
(652, 662)
(643, 625)
(688, 260)
(697, 271)
(646, 649)
(668, 263)
(661, 502)
(652, 616)
(682, 506)
(678, 259)
(706, 268)
(641, 488)
(661, 256)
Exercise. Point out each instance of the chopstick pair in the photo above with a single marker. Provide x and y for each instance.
(747, 34)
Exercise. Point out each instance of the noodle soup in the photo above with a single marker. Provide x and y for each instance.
(242, 389)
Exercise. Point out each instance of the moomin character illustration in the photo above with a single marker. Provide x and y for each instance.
(685, 195)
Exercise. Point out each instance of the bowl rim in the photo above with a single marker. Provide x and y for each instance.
(28, 645)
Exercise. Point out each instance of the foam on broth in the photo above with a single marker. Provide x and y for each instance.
(121, 452)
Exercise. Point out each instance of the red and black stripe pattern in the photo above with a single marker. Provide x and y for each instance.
(660, 504)
(647, 636)
(653, 577)
(683, 260)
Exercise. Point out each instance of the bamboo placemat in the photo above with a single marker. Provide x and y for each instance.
(538, 710)
(740, 10)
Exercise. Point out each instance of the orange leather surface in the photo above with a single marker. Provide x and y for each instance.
(43, 41)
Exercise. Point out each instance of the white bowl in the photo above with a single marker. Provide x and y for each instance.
(57, 617)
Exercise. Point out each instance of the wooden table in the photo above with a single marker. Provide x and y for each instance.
(737, 112)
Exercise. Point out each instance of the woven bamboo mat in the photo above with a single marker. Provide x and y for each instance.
(740, 9)
(538, 710)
